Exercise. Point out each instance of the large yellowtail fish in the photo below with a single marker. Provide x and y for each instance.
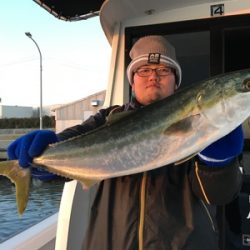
(165, 132)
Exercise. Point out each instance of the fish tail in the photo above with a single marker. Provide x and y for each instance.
(21, 178)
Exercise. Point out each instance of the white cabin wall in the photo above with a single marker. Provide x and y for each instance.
(192, 12)
(118, 86)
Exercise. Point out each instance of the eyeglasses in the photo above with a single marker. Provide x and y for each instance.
(163, 71)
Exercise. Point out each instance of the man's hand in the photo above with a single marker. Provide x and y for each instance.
(224, 150)
(31, 145)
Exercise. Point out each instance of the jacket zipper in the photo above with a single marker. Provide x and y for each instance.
(209, 215)
(142, 210)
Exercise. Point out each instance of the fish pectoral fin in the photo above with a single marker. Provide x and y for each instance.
(184, 126)
(21, 178)
(185, 159)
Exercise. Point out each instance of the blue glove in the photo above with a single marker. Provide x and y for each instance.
(31, 145)
(224, 150)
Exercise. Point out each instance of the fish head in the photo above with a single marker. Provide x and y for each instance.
(225, 100)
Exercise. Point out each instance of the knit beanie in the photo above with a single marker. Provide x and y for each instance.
(152, 50)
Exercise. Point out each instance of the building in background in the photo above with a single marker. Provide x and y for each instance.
(15, 112)
(76, 112)
(7, 111)
(65, 114)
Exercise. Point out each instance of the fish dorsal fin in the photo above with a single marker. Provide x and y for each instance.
(184, 126)
(115, 117)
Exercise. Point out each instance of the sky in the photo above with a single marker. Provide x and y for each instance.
(75, 56)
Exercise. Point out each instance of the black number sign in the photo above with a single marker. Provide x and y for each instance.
(217, 10)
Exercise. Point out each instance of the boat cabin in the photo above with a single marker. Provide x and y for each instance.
(210, 37)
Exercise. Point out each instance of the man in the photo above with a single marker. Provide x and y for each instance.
(167, 208)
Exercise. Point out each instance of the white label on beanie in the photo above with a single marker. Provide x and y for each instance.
(154, 58)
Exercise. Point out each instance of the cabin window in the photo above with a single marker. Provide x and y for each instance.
(193, 55)
(237, 48)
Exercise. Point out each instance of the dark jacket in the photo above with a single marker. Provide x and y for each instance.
(170, 208)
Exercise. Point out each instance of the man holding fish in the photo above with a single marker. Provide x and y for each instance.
(170, 207)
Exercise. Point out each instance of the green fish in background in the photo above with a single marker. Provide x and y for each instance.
(165, 132)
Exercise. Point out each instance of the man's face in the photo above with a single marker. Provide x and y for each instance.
(155, 86)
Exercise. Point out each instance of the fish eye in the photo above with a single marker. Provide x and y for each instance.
(246, 84)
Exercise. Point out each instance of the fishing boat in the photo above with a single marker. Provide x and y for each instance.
(210, 37)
